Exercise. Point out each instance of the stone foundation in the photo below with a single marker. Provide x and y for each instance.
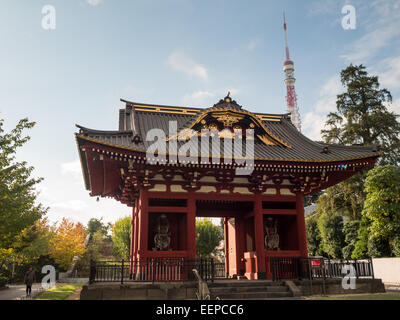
(139, 291)
(334, 286)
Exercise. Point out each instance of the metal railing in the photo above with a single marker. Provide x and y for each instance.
(290, 268)
(155, 270)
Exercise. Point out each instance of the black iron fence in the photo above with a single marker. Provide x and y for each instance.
(155, 270)
(318, 268)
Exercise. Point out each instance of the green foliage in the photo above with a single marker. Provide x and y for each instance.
(3, 281)
(350, 231)
(121, 237)
(330, 226)
(396, 246)
(313, 236)
(208, 237)
(18, 207)
(361, 246)
(96, 248)
(362, 117)
(33, 242)
(378, 247)
(97, 225)
(382, 205)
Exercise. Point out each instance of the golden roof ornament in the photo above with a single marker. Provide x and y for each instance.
(228, 99)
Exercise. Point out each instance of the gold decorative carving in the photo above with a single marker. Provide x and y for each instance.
(227, 118)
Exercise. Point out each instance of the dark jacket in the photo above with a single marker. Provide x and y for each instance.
(29, 277)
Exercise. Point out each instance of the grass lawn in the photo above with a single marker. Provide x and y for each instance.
(60, 292)
(375, 296)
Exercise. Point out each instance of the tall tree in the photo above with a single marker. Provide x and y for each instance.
(362, 116)
(208, 237)
(363, 119)
(121, 237)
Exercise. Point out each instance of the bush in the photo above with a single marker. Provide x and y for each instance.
(3, 281)
(378, 247)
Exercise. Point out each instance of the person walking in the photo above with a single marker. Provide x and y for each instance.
(29, 279)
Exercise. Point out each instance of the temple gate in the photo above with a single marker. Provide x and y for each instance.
(262, 206)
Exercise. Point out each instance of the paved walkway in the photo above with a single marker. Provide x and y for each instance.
(17, 292)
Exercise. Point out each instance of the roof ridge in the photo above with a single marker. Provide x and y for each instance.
(133, 104)
(102, 131)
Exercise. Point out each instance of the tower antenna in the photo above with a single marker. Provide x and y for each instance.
(291, 97)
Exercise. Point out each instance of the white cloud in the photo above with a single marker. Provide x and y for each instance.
(75, 205)
(313, 122)
(198, 98)
(180, 62)
(394, 106)
(389, 73)
(93, 2)
(73, 168)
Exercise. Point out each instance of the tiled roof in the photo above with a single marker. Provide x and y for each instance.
(137, 119)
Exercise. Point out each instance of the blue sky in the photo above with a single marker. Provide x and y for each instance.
(173, 52)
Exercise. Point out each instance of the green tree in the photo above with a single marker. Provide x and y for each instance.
(362, 116)
(313, 236)
(121, 237)
(208, 237)
(18, 198)
(33, 242)
(96, 225)
(382, 207)
(361, 119)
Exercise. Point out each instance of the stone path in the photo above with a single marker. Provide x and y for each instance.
(17, 292)
(76, 295)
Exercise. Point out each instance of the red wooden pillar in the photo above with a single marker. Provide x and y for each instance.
(259, 237)
(143, 224)
(133, 236)
(301, 225)
(226, 245)
(191, 226)
(136, 248)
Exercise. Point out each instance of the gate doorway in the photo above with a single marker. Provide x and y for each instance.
(238, 230)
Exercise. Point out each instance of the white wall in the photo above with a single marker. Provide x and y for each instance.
(387, 269)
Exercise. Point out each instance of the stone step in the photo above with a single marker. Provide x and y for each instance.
(221, 290)
(251, 295)
(244, 283)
